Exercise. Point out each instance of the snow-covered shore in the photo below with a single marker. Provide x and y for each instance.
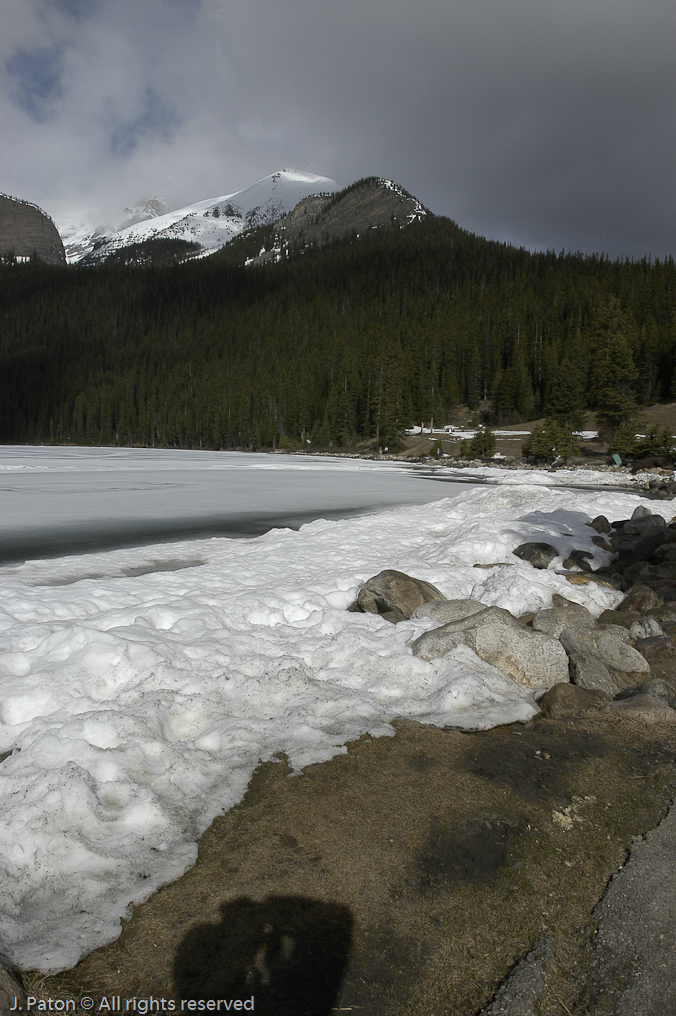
(141, 688)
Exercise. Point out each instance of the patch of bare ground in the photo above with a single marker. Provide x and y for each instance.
(407, 875)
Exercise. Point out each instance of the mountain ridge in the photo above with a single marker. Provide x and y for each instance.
(212, 222)
(369, 203)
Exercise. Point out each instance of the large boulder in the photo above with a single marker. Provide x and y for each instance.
(444, 611)
(562, 614)
(563, 700)
(656, 687)
(591, 673)
(538, 554)
(610, 643)
(653, 644)
(640, 524)
(600, 524)
(646, 708)
(641, 599)
(644, 627)
(529, 657)
(394, 592)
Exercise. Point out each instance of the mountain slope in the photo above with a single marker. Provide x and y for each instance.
(26, 230)
(212, 222)
(349, 340)
(371, 203)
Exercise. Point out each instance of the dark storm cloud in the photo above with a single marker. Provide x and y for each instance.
(37, 80)
(76, 8)
(156, 119)
(549, 125)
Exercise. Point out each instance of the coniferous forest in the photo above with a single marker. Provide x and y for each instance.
(356, 340)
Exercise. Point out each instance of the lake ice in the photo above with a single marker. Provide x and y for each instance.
(141, 686)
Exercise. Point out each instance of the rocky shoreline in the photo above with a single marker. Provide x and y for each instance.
(623, 660)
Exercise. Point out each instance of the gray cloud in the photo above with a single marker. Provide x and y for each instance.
(548, 125)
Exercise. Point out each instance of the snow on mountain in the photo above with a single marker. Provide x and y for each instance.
(146, 208)
(212, 222)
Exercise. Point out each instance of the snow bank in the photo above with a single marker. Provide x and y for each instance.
(584, 479)
(141, 688)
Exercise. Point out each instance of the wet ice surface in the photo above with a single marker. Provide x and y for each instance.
(140, 687)
(56, 501)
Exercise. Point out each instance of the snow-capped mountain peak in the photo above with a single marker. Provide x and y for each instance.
(212, 222)
(146, 208)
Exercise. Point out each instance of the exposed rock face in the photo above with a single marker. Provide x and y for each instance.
(366, 205)
(26, 231)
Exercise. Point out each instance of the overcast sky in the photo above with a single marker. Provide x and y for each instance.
(547, 123)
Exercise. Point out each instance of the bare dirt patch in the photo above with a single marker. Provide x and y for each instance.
(407, 875)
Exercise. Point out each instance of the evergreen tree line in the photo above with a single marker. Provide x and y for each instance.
(357, 340)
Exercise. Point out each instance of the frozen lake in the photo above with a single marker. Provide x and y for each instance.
(56, 501)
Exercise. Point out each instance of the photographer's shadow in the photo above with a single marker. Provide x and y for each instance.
(289, 952)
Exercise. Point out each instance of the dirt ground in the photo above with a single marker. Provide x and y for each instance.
(405, 876)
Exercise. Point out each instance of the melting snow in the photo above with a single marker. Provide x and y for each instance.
(141, 688)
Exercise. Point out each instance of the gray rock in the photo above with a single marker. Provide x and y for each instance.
(641, 598)
(537, 554)
(578, 559)
(394, 616)
(600, 524)
(665, 570)
(622, 617)
(666, 552)
(609, 643)
(644, 628)
(527, 656)
(653, 644)
(571, 700)
(444, 611)
(641, 511)
(644, 707)
(394, 591)
(656, 687)
(637, 548)
(519, 994)
(666, 615)
(11, 988)
(633, 573)
(639, 524)
(590, 673)
(663, 666)
(562, 614)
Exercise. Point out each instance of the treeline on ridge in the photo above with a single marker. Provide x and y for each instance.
(356, 340)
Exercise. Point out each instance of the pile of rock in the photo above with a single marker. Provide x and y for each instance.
(662, 487)
(623, 661)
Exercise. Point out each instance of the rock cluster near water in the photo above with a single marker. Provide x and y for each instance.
(623, 662)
